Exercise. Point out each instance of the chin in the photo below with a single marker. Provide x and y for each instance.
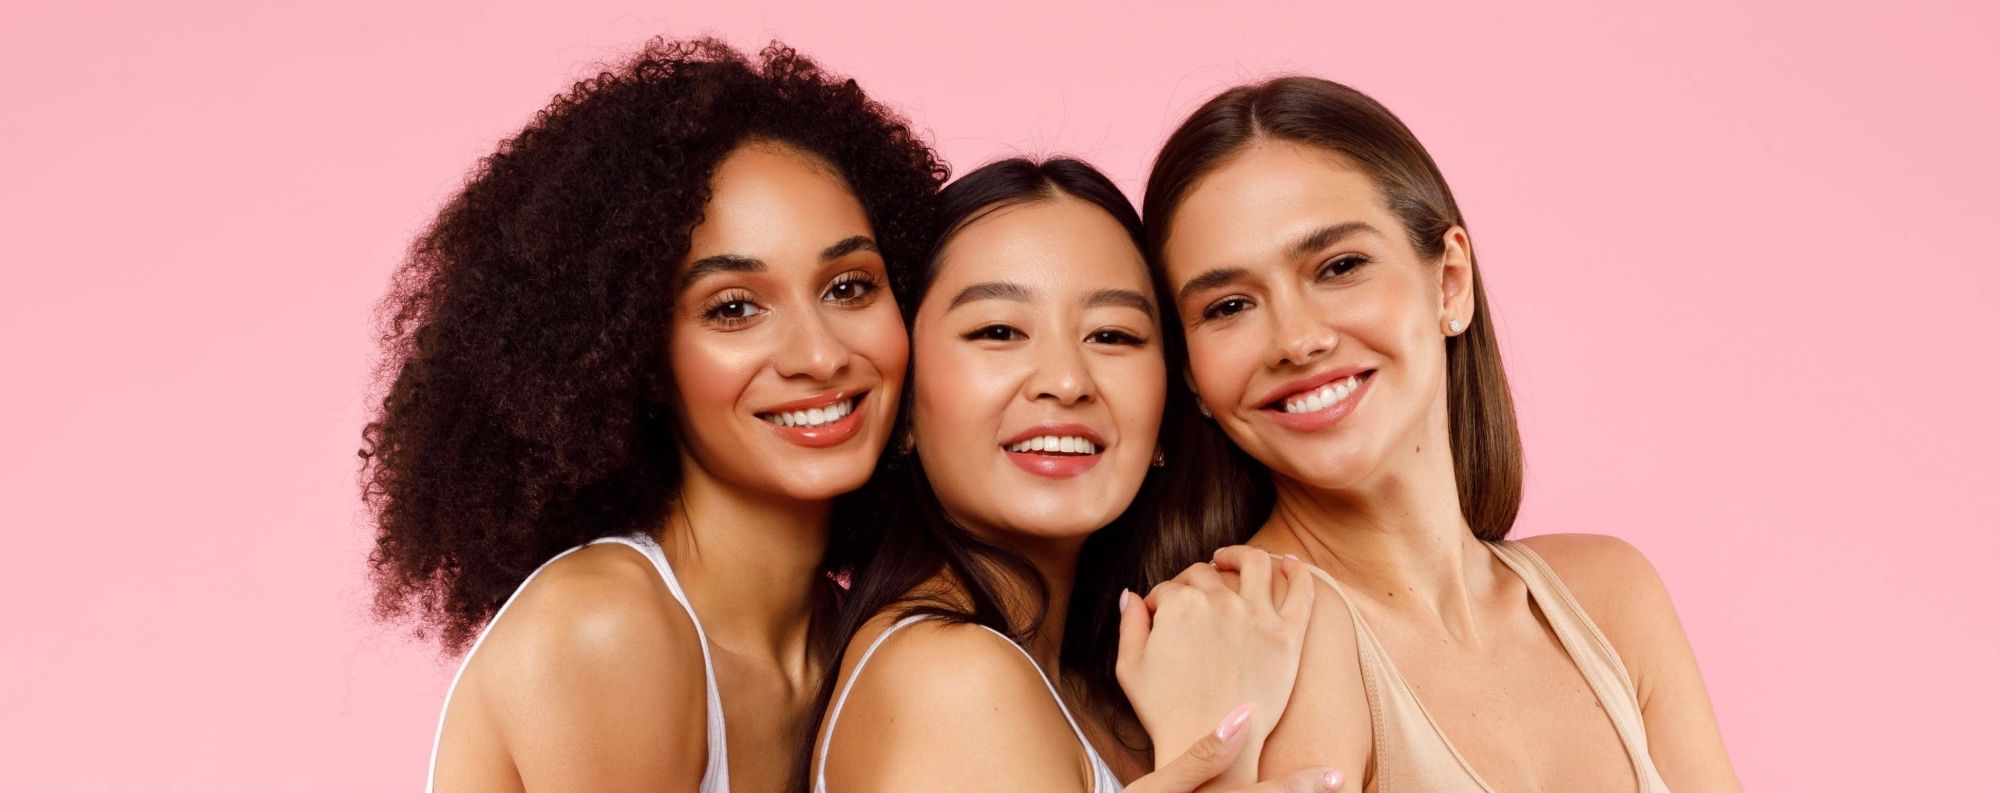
(1055, 524)
(817, 484)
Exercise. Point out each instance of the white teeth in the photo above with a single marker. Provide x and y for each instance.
(1324, 397)
(1064, 444)
(811, 417)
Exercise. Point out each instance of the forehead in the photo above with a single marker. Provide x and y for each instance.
(1252, 207)
(769, 200)
(1055, 246)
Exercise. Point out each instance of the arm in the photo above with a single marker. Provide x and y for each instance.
(595, 679)
(1625, 597)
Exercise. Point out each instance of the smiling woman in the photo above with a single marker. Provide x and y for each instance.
(990, 642)
(1339, 339)
(645, 350)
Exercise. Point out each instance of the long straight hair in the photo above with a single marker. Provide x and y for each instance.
(1485, 440)
(919, 539)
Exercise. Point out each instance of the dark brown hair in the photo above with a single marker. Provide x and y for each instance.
(1485, 441)
(524, 338)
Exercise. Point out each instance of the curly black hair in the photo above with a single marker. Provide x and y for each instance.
(524, 367)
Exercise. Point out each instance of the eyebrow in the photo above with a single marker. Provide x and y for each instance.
(731, 263)
(1219, 276)
(991, 290)
(1328, 235)
(1119, 297)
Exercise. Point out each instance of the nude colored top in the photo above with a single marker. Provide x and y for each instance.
(1412, 753)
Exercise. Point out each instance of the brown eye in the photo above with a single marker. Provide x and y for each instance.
(850, 288)
(995, 333)
(1226, 307)
(1342, 266)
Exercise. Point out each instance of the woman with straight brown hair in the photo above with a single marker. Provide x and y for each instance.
(1356, 412)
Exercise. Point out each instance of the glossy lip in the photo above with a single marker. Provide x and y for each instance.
(1055, 466)
(827, 434)
(1325, 417)
(1278, 395)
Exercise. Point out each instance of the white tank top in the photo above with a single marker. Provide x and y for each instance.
(1101, 778)
(716, 778)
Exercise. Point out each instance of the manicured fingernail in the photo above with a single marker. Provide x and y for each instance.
(1293, 557)
(1124, 597)
(1233, 723)
(1332, 780)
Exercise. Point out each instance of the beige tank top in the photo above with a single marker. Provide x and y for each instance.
(1412, 754)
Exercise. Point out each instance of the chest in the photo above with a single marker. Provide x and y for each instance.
(1516, 708)
(764, 714)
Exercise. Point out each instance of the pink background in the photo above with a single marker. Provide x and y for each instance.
(1740, 256)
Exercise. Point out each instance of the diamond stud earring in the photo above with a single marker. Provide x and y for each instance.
(1456, 325)
(1203, 407)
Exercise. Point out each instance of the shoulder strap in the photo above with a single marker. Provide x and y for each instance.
(716, 778)
(847, 687)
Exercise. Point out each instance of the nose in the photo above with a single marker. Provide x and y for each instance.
(811, 349)
(1298, 335)
(1060, 374)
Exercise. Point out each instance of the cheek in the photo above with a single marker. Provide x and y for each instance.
(1221, 364)
(957, 399)
(1136, 391)
(710, 374)
(878, 336)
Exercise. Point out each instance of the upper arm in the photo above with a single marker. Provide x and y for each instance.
(946, 707)
(1327, 721)
(1622, 593)
(596, 679)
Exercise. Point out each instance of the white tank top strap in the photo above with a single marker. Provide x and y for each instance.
(1102, 779)
(716, 778)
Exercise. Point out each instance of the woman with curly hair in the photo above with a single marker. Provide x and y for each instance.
(630, 368)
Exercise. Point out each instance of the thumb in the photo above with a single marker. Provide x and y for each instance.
(1203, 761)
(1135, 624)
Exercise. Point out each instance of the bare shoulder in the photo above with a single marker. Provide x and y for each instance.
(604, 605)
(1327, 721)
(1610, 578)
(557, 668)
(1622, 594)
(941, 703)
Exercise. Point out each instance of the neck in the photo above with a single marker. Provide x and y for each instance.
(1055, 561)
(1398, 540)
(750, 564)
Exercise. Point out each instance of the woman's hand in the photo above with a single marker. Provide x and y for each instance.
(1215, 637)
(1215, 752)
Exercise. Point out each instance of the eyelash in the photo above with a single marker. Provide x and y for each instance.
(1116, 337)
(1214, 311)
(983, 333)
(1354, 261)
(867, 281)
(717, 310)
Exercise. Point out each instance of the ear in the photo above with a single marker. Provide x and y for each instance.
(1455, 278)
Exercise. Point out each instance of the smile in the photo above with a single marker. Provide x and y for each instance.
(1320, 402)
(826, 420)
(1055, 450)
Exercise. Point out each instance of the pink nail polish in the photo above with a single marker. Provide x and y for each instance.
(1293, 557)
(1124, 597)
(1233, 723)
(1332, 780)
